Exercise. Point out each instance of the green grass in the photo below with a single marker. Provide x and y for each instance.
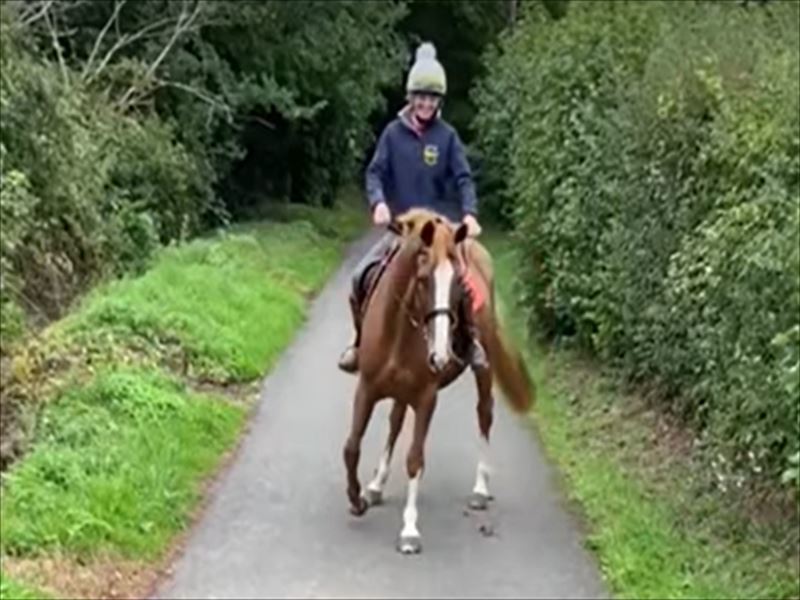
(115, 467)
(11, 590)
(119, 452)
(656, 529)
(232, 303)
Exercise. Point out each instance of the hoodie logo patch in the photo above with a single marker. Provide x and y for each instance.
(430, 155)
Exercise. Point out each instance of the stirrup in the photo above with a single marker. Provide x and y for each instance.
(477, 356)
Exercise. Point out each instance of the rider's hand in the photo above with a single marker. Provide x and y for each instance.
(381, 214)
(473, 227)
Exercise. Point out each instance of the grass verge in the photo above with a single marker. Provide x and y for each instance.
(15, 591)
(662, 523)
(127, 405)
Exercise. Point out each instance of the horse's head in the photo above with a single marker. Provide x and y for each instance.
(439, 288)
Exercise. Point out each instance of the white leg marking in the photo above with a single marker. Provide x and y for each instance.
(443, 280)
(483, 470)
(410, 512)
(377, 483)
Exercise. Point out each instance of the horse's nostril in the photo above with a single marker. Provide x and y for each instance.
(436, 362)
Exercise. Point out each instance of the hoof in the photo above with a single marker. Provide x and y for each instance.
(348, 361)
(409, 545)
(479, 501)
(374, 497)
(360, 508)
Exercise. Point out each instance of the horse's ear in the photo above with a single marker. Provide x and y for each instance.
(395, 227)
(428, 230)
(461, 233)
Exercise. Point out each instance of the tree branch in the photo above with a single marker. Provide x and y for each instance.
(215, 103)
(260, 121)
(54, 36)
(28, 14)
(183, 24)
(117, 7)
(34, 10)
(197, 93)
(123, 41)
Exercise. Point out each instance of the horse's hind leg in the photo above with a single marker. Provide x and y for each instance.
(362, 411)
(480, 492)
(375, 487)
(410, 539)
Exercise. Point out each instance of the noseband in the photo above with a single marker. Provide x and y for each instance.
(449, 312)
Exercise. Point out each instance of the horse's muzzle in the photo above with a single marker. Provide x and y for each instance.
(437, 362)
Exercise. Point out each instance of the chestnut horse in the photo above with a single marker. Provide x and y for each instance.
(406, 353)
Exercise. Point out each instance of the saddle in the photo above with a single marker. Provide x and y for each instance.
(371, 276)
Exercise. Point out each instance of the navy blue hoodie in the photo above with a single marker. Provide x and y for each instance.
(428, 169)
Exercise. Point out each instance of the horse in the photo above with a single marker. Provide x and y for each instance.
(409, 327)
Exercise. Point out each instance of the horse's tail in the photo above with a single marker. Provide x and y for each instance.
(509, 369)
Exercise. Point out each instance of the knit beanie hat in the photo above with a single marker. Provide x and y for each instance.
(427, 73)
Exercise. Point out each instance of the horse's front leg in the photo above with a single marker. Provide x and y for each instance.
(375, 487)
(480, 492)
(362, 411)
(410, 540)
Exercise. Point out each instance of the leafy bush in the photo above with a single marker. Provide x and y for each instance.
(268, 96)
(651, 167)
(127, 132)
(85, 191)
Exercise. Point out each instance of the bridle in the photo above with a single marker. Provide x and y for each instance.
(449, 312)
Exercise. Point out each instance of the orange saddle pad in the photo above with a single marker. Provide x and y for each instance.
(475, 290)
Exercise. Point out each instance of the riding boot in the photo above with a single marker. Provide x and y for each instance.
(348, 361)
(476, 355)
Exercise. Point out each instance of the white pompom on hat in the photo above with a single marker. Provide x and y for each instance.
(427, 73)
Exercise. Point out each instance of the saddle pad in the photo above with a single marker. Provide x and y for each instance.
(475, 290)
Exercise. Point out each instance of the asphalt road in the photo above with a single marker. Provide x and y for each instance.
(277, 525)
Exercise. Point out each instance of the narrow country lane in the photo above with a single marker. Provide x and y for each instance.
(277, 524)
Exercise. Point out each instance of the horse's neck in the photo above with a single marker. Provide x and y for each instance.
(394, 293)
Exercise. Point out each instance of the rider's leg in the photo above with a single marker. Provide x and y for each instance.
(476, 355)
(348, 361)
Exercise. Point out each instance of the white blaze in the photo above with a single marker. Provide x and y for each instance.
(443, 280)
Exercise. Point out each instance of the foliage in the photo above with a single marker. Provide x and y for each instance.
(184, 315)
(661, 523)
(245, 82)
(652, 171)
(127, 125)
(85, 192)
